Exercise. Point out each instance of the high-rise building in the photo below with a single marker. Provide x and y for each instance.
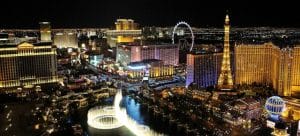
(203, 69)
(225, 79)
(126, 31)
(295, 75)
(268, 64)
(45, 31)
(128, 53)
(65, 40)
(256, 63)
(168, 53)
(27, 64)
(125, 25)
(148, 52)
(284, 59)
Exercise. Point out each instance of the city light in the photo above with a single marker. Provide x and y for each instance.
(119, 69)
(186, 24)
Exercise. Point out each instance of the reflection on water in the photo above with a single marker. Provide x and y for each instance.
(134, 109)
(131, 124)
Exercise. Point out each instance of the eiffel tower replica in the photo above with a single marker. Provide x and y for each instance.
(225, 82)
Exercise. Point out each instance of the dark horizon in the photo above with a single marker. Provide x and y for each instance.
(79, 14)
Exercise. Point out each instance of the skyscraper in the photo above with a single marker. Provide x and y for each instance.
(257, 63)
(270, 65)
(126, 31)
(125, 25)
(65, 39)
(225, 79)
(203, 68)
(168, 53)
(127, 53)
(296, 71)
(45, 31)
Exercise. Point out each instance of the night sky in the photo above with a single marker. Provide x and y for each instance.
(103, 13)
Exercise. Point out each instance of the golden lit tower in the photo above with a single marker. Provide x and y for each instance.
(225, 79)
(45, 30)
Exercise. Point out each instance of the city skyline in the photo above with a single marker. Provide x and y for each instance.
(64, 14)
(93, 68)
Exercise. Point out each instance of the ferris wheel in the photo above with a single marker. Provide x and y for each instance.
(189, 27)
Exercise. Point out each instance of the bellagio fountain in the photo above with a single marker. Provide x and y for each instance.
(112, 117)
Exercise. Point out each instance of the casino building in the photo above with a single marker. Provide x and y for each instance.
(269, 64)
(151, 68)
(127, 53)
(26, 64)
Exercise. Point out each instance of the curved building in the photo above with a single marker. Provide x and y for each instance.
(270, 65)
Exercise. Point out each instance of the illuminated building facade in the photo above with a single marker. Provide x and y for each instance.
(125, 25)
(45, 31)
(284, 71)
(149, 52)
(161, 71)
(151, 68)
(126, 31)
(225, 79)
(295, 75)
(26, 65)
(292, 109)
(128, 53)
(65, 40)
(168, 53)
(203, 69)
(256, 63)
(268, 64)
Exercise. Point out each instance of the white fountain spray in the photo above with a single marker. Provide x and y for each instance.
(131, 124)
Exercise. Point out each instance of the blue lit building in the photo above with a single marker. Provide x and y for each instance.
(204, 67)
